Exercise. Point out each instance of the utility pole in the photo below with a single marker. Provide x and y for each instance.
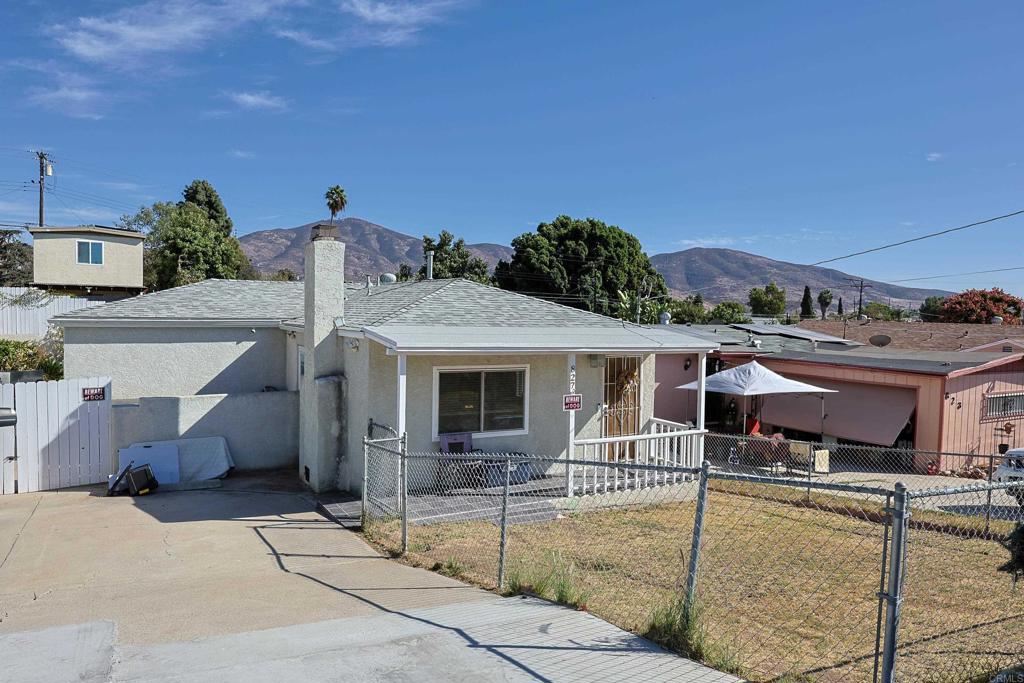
(45, 169)
(859, 284)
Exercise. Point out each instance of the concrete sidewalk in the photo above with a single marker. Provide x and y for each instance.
(249, 583)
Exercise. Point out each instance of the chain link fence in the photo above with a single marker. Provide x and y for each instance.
(770, 573)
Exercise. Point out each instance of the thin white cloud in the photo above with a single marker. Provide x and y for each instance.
(258, 100)
(707, 242)
(241, 154)
(377, 23)
(67, 92)
(119, 186)
(935, 157)
(125, 38)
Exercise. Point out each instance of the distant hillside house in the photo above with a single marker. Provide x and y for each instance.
(87, 260)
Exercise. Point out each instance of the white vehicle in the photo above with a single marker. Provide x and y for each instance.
(1012, 469)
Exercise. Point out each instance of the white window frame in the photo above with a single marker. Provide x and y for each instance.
(438, 369)
(103, 254)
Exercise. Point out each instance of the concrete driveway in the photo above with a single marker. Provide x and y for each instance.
(249, 583)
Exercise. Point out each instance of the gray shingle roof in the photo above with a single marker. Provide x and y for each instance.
(921, 362)
(426, 302)
(417, 312)
(206, 300)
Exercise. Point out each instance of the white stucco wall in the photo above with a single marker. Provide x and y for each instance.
(372, 377)
(275, 443)
(55, 260)
(178, 361)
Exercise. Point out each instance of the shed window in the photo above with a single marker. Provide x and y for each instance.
(90, 253)
(479, 401)
(1004, 405)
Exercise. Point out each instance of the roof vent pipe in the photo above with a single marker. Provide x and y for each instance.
(996, 320)
(430, 265)
(664, 317)
(369, 283)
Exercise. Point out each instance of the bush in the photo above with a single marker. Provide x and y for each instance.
(22, 356)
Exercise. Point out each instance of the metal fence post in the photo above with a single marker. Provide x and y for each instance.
(988, 502)
(366, 479)
(698, 533)
(404, 476)
(504, 522)
(897, 555)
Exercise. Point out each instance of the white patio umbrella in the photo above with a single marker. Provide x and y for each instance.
(754, 379)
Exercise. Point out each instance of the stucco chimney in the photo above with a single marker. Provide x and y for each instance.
(322, 385)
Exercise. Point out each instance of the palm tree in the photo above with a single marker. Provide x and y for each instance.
(824, 301)
(336, 201)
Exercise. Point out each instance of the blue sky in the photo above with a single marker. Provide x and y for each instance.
(797, 130)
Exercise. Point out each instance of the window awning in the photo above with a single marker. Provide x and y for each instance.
(860, 412)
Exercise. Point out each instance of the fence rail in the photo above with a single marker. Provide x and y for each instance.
(769, 576)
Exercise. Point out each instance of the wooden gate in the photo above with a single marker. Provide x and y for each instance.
(63, 434)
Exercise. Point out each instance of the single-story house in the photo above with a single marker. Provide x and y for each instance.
(928, 401)
(304, 367)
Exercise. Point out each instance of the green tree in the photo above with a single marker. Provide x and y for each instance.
(767, 300)
(581, 262)
(824, 301)
(183, 245)
(15, 260)
(336, 201)
(282, 275)
(931, 308)
(729, 313)
(879, 311)
(639, 309)
(806, 304)
(689, 310)
(981, 305)
(453, 259)
(839, 311)
(404, 273)
(201, 193)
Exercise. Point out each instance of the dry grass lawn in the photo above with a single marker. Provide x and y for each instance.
(787, 588)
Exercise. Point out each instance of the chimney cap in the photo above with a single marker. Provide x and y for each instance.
(323, 231)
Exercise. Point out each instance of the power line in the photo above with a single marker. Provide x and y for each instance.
(976, 272)
(921, 237)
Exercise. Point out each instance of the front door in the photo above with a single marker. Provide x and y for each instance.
(621, 402)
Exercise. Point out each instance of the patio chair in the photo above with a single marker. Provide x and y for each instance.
(457, 473)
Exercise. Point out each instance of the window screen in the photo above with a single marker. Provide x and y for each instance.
(481, 401)
(83, 252)
(458, 402)
(503, 400)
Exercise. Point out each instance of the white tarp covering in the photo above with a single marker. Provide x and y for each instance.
(162, 459)
(198, 459)
(754, 379)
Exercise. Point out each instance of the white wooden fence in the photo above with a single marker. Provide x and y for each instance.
(63, 434)
(29, 319)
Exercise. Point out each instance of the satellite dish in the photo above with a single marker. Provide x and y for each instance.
(880, 340)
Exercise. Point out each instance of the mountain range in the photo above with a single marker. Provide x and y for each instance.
(717, 274)
(370, 249)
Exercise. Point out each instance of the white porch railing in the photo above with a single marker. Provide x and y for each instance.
(667, 444)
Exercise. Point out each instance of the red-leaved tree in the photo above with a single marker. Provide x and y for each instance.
(981, 305)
